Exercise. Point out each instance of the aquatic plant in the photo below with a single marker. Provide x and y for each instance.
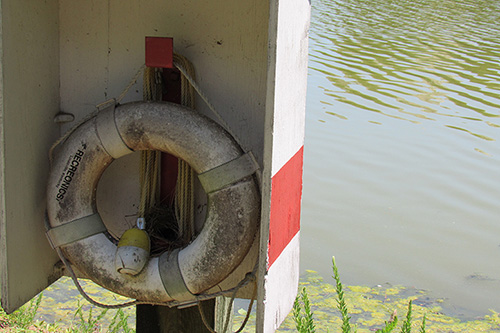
(422, 327)
(24, 320)
(304, 323)
(90, 323)
(25, 316)
(389, 325)
(346, 325)
(407, 323)
(119, 323)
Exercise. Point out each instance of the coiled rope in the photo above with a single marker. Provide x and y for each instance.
(150, 159)
(184, 195)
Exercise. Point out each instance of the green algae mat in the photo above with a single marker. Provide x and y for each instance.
(62, 309)
(370, 307)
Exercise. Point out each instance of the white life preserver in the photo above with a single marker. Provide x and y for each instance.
(225, 172)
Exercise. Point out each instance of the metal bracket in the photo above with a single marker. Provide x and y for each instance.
(75, 230)
(108, 133)
(171, 276)
(228, 173)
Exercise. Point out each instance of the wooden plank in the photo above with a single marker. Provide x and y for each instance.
(30, 99)
(102, 47)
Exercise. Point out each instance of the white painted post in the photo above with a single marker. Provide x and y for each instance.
(283, 154)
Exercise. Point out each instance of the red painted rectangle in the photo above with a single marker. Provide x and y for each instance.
(159, 52)
(286, 194)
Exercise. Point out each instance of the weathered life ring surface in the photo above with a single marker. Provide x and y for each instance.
(233, 203)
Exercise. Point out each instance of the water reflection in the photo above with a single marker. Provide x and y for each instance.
(402, 160)
(415, 61)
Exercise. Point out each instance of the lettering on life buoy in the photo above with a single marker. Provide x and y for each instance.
(69, 173)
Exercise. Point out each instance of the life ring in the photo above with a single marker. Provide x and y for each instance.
(225, 172)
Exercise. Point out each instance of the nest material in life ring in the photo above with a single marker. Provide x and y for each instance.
(224, 170)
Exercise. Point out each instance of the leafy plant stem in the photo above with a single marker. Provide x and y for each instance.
(346, 326)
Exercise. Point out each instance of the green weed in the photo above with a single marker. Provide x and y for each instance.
(389, 325)
(304, 323)
(24, 317)
(346, 325)
(119, 323)
(23, 320)
(89, 323)
(407, 323)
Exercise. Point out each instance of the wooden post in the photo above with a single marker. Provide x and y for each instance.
(160, 319)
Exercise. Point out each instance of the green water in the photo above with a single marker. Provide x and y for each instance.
(402, 153)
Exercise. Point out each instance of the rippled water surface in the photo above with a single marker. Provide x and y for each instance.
(402, 157)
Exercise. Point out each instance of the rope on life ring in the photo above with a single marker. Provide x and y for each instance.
(225, 172)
